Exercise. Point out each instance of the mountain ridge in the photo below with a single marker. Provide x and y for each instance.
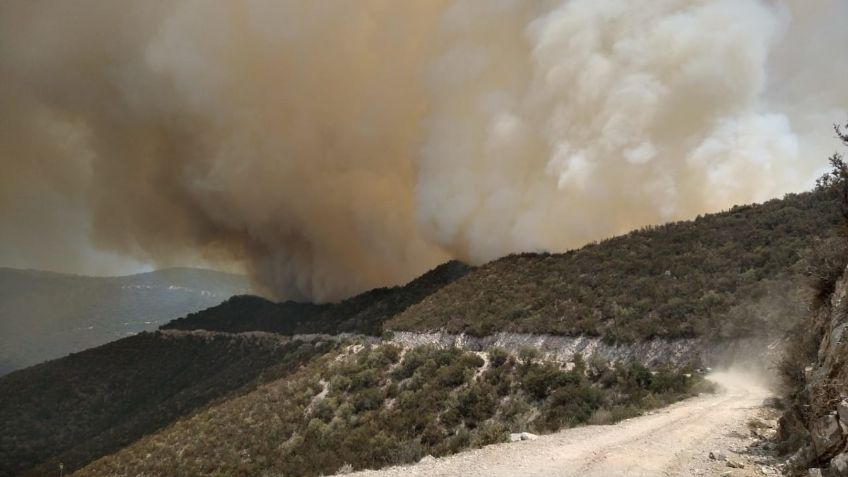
(362, 314)
(677, 280)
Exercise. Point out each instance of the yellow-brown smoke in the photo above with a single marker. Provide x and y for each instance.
(331, 146)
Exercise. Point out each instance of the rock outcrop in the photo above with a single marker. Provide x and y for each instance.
(652, 353)
(820, 414)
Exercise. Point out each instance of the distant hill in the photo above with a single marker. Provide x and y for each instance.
(362, 314)
(45, 315)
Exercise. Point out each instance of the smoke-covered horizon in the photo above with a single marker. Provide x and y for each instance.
(330, 147)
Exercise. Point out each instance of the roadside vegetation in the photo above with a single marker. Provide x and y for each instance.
(371, 406)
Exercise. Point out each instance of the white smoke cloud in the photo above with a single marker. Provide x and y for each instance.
(335, 146)
(598, 116)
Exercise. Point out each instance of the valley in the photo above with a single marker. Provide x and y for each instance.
(46, 315)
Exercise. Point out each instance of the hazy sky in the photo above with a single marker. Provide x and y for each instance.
(328, 147)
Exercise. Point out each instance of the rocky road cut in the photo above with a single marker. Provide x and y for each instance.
(674, 441)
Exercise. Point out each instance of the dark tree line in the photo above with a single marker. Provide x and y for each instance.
(837, 177)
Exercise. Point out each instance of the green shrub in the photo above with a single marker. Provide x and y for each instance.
(601, 416)
(452, 375)
(824, 263)
(476, 404)
(528, 355)
(569, 406)
(501, 378)
(540, 380)
(498, 357)
(366, 378)
(490, 433)
(368, 399)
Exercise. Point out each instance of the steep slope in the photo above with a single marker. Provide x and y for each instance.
(362, 314)
(677, 280)
(90, 404)
(372, 406)
(814, 427)
(45, 315)
(675, 441)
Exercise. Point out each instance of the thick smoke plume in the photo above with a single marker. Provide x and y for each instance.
(334, 146)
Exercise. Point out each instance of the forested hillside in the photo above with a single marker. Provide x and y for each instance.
(683, 279)
(679, 280)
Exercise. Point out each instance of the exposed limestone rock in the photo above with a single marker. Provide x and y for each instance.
(802, 458)
(522, 436)
(717, 455)
(839, 465)
(655, 352)
(842, 412)
(758, 423)
(827, 435)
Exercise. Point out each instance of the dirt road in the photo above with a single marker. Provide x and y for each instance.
(675, 441)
